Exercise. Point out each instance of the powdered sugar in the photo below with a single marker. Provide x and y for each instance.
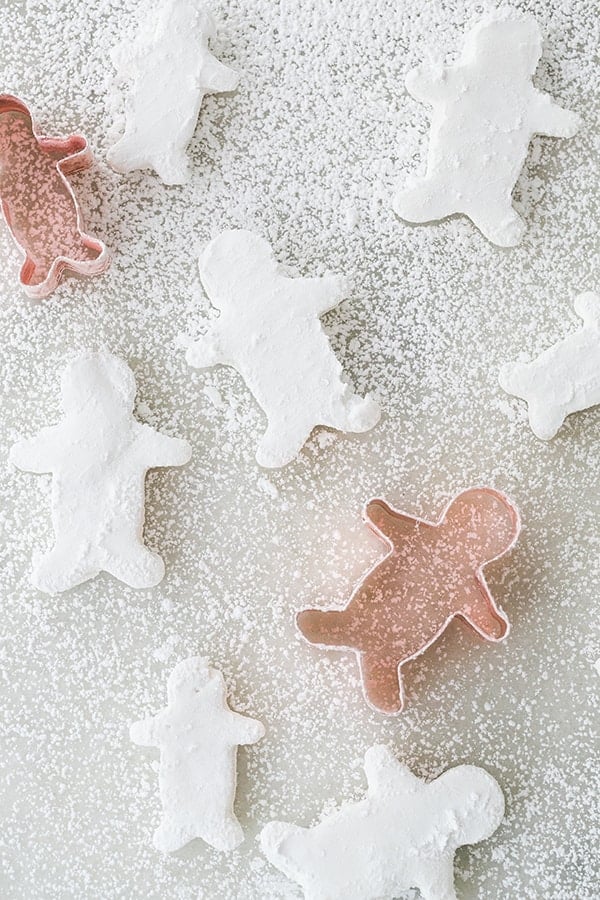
(320, 124)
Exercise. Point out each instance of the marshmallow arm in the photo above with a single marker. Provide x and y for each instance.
(551, 119)
(207, 351)
(162, 450)
(244, 730)
(216, 77)
(385, 775)
(319, 295)
(430, 84)
(38, 454)
(145, 732)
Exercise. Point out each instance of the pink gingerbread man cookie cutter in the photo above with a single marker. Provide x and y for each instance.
(432, 573)
(39, 204)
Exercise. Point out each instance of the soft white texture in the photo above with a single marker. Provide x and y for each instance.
(269, 330)
(98, 456)
(563, 379)
(485, 112)
(167, 69)
(403, 835)
(433, 314)
(197, 735)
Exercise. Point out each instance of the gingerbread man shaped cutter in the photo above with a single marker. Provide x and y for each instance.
(39, 204)
(432, 573)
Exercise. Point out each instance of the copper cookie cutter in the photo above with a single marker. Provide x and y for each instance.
(432, 574)
(39, 204)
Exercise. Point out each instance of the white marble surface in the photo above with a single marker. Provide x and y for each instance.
(308, 152)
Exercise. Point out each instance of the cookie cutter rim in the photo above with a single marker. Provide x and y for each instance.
(516, 519)
(79, 159)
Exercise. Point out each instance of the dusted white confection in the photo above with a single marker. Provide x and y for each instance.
(167, 70)
(403, 835)
(98, 456)
(485, 112)
(563, 379)
(198, 736)
(269, 330)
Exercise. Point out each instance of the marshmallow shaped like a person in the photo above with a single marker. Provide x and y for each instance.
(565, 378)
(98, 456)
(269, 330)
(167, 70)
(485, 112)
(198, 736)
(403, 835)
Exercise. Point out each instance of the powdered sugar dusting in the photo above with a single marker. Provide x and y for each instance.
(319, 125)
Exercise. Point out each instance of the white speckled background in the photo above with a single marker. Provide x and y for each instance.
(319, 133)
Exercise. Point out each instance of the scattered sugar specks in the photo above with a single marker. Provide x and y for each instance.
(320, 125)
(164, 653)
(268, 488)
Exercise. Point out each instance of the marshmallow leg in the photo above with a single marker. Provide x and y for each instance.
(124, 156)
(140, 569)
(426, 201)
(59, 570)
(127, 156)
(357, 414)
(173, 169)
(437, 882)
(499, 222)
(169, 837)
(544, 421)
(225, 835)
(279, 445)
